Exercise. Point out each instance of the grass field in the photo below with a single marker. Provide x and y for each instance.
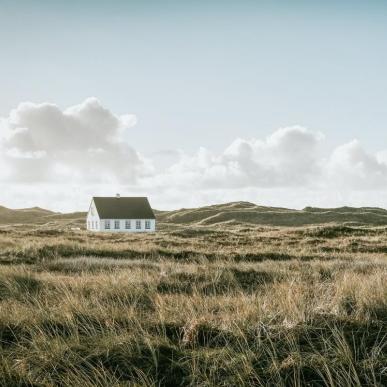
(227, 305)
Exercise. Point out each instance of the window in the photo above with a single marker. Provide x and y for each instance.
(127, 224)
(147, 224)
(107, 224)
(96, 225)
(117, 224)
(138, 224)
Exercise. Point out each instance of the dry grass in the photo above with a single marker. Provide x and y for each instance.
(194, 306)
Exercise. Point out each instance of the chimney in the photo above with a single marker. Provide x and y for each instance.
(118, 196)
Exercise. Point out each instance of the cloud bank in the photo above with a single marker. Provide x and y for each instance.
(81, 151)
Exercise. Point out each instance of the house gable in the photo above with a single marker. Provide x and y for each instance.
(93, 212)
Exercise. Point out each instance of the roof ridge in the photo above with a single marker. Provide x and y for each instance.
(115, 197)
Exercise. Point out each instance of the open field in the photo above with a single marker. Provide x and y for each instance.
(219, 305)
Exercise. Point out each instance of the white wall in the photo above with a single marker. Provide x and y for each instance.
(132, 224)
(93, 222)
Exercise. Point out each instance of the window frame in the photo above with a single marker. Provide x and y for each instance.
(128, 224)
(138, 224)
(147, 224)
(107, 224)
(117, 222)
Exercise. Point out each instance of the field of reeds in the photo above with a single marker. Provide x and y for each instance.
(194, 306)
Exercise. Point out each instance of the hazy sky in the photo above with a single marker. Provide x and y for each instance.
(194, 77)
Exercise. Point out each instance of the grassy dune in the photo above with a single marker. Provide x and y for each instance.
(236, 213)
(245, 212)
(199, 306)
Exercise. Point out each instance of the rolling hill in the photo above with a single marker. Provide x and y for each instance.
(249, 213)
(235, 213)
(36, 215)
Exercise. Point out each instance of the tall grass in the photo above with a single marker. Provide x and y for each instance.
(194, 307)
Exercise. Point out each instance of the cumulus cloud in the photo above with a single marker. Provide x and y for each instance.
(351, 166)
(288, 157)
(287, 168)
(42, 142)
(82, 151)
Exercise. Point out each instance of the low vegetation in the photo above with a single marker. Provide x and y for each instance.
(223, 305)
(235, 213)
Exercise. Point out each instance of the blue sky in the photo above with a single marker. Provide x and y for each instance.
(201, 74)
(198, 73)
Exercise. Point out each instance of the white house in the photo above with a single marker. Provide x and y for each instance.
(120, 214)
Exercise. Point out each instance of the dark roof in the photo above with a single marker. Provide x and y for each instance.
(123, 208)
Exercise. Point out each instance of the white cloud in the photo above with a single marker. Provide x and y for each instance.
(288, 168)
(288, 157)
(59, 158)
(350, 166)
(43, 143)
